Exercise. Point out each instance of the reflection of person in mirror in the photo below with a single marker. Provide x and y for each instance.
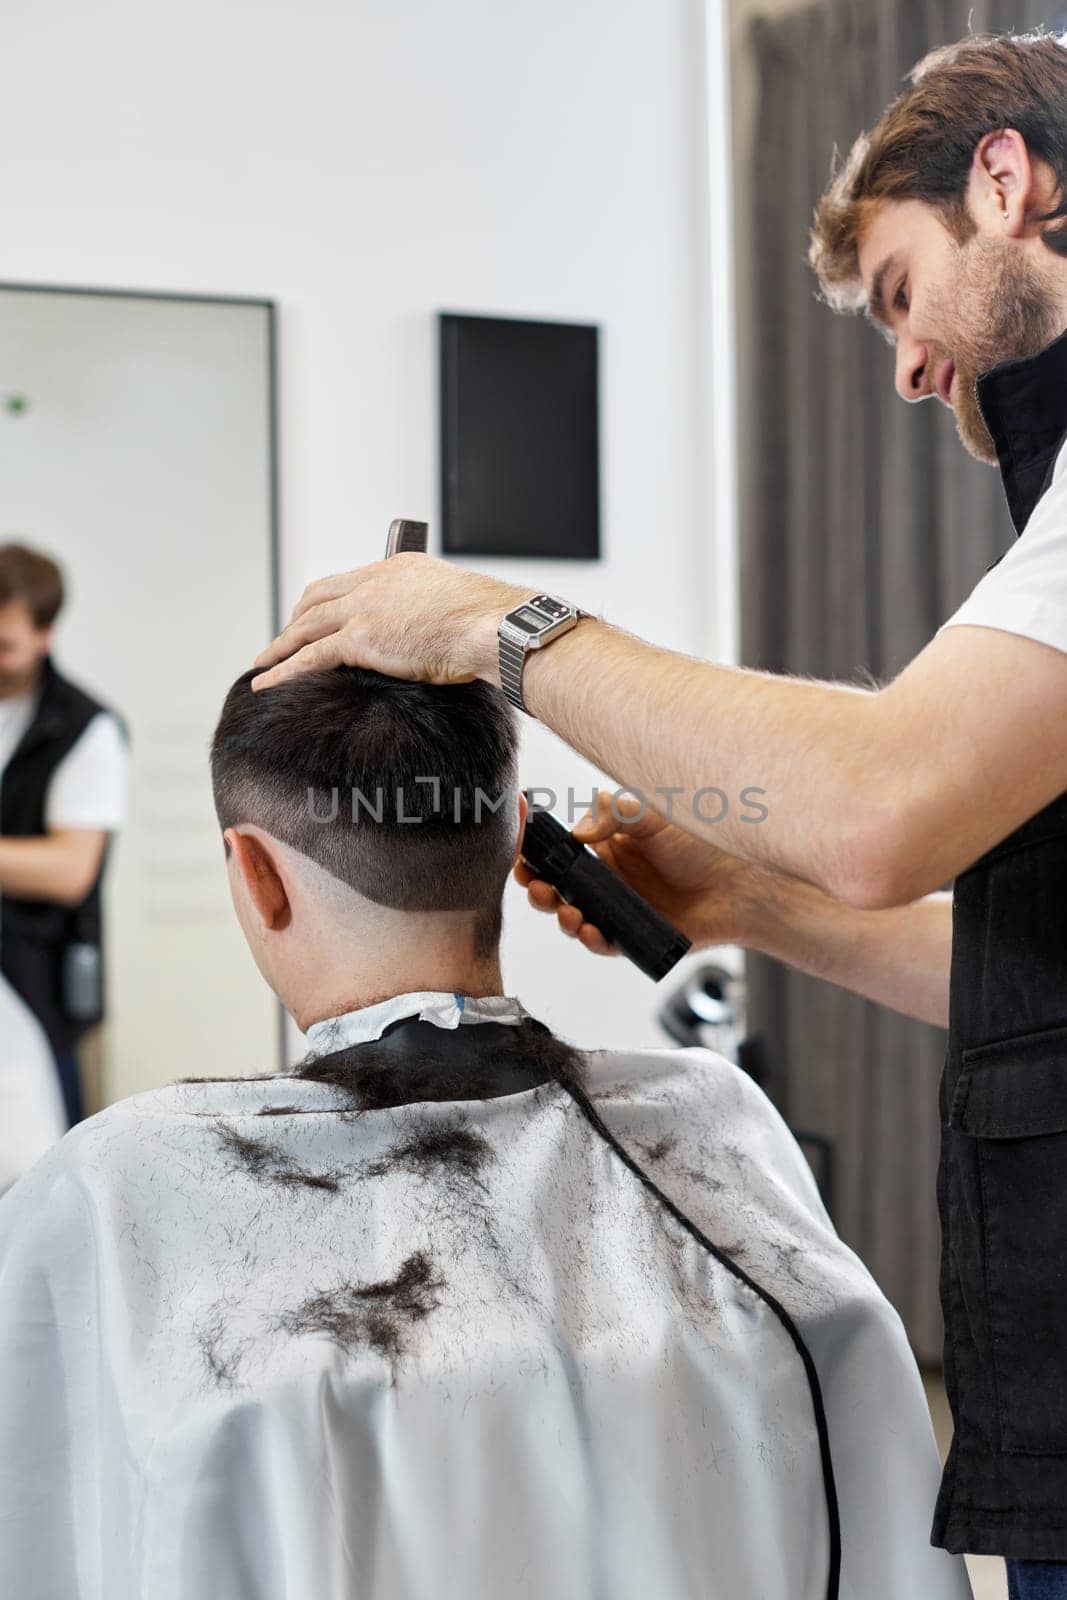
(62, 795)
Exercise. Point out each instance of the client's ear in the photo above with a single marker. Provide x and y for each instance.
(260, 876)
(523, 809)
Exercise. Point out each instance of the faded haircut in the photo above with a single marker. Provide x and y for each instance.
(923, 145)
(404, 791)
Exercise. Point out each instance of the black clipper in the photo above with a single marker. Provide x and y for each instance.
(581, 879)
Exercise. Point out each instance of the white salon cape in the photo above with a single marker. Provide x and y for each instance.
(207, 1393)
(32, 1115)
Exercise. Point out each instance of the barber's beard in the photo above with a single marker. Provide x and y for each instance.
(997, 308)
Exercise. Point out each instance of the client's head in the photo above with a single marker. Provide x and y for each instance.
(370, 825)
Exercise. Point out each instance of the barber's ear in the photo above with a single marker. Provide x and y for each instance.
(523, 809)
(257, 870)
(1002, 184)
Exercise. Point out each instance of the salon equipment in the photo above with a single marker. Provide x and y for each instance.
(581, 879)
(707, 1009)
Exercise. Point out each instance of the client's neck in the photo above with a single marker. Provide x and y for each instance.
(350, 984)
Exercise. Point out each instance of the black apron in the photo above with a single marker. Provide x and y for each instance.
(35, 933)
(1002, 1185)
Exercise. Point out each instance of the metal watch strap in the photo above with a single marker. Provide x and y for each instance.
(511, 655)
(512, 658)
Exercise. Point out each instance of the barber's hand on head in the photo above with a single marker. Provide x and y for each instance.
(411, 616)
(699, 888)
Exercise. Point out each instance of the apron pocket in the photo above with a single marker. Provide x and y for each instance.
(1011, 1097)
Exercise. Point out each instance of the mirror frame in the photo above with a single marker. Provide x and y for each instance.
(273, 494)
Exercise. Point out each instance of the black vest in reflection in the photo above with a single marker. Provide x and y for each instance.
(35, 933)
(1002, 1185)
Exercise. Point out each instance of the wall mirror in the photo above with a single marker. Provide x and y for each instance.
(138, 450)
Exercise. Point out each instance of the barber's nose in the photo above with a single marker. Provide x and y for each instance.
(914, 378)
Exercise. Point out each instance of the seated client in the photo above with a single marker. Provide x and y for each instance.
(452, 1310)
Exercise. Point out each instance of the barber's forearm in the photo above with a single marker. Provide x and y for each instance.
(899, 957)
(61, 869)
(656, 720)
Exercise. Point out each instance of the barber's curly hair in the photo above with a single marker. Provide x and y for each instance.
(405, 791)
(923, 145)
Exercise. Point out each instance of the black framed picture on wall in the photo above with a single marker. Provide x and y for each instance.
(520, 456)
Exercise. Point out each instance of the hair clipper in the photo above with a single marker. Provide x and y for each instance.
(581, 879)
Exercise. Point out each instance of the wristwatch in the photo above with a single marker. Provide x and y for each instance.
(530, 627)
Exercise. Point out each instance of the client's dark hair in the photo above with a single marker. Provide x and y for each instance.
(405, 791)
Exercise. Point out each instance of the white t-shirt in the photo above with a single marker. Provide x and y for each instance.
(88, 787)
(1026, 591)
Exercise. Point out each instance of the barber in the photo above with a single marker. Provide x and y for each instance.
(875, 799)
(63, 763)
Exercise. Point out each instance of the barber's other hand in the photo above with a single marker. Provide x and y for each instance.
(700, 889)
(411, 616)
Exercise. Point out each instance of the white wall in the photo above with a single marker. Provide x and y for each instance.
(366, 165)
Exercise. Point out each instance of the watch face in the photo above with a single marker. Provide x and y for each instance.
(530, 619)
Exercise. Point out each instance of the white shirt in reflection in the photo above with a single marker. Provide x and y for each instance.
(88, 787)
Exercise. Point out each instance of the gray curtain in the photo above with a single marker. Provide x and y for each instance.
(864, 524)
